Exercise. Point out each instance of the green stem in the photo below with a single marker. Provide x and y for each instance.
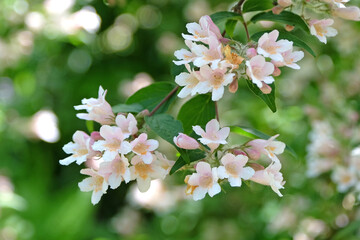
(238, 9)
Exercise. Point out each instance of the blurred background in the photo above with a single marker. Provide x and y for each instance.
(53, 53)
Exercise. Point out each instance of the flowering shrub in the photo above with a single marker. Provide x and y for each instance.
(122, 151)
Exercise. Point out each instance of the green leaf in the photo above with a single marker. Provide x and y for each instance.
(165, 126)
(269, 99)
(254, 133)
(90, 126)
(348, 231)
(194, 155)
(289, 36)
(284, 17)
(230, 27)
(197, 111)
(150, 96)
(125, 108)
(176, 70)
(224, 16)
(257, 5)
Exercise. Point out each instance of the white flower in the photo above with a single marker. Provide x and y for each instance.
(349, 13)
(143, 147)
(205, 180)
(96, 183)
(127, 124)
(290, 59)
(321, 29)
(269, 47)
(337, 3)
(201, 32)
(355, 159)
(208, 55)
(80, 149)
(143, 173)
(190, 83)
(117, 170)
(99, 109)
(259, 71)
(345, 178)
(215, 81)
(113, 143)
(214, 136)
(163, 162)
(270, 176)
(268, 147)
(233, 169)
(184, 55)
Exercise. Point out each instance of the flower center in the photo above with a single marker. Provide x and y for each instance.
(143, 169)
(114, 145)
(232, 169)
(141, 148)
(206, 181)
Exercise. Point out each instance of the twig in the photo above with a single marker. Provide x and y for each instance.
(164, 101)
(238, 10)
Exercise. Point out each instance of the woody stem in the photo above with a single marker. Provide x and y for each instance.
(164, 100)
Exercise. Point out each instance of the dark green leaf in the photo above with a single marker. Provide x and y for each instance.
(230, 27)
(254, 133)
(165, 126)
(224, 16)
(176, 70)
(125, 108)
(150, 96)
(269, 99)
(284, 17)
(257, 5)
(197, 111)
(289, 36)
(194, 155)
(90, 126)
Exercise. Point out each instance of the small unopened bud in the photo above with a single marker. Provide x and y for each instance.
(266, 89)
(143, 113)
(276, 72)
(95, 136)
(234, 86)
(277, 9)
(252, 153)
(185, 142)
(284, 3)
(251, 52)
(238, 152)
(289, 28)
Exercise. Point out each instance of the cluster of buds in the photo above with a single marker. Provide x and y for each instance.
(118, 152)
(219, 62)
(223, 164)
(321, 28)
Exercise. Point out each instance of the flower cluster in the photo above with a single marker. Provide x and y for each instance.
(118, 152)
(222, 163)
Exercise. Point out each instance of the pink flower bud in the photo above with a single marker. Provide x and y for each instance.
(276, 72)
(251, 52)
(238, 152)
(95, 136)
(266, 89)
(284, 3)
(185, 142)
(277, 9)
(234, 86)
(253, 154)
(289, 28)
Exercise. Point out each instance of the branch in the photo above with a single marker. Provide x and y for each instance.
(164, 101)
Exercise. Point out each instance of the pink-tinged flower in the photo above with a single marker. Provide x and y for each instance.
(233, 169)
(268, 147)
(345, 178)
(208, 55)
(163, 162)
(259, 71)
(215, 81)
(349, 13)
(251, 52)
(337, 3)
(185, 142)
(96, 183)
(321, 29)
(113, 143)
(284, 3)
(269, 47)
(270, 176)
(205, 180)
(127, 124)
(184, 55)
(201, 32)
(99, 109)
(143, 173)
(190, 83)
(213, 136)
(143, 147)
(117, 170)
(290, 59)
(80, 149)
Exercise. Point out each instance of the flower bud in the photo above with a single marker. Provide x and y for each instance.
(238, 152)
(277, 9)
(266, 89)
(276, 72)
(251, 52)
(350, 13)
(289, 28)
(284, 3)
(185, 142)
(95, 136)
(253, 154)
(234, 86)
